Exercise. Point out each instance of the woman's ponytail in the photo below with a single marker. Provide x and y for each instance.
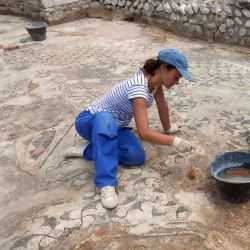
(151, 65)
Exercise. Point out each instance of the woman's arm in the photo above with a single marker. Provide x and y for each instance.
(141, 120)
(163, 110)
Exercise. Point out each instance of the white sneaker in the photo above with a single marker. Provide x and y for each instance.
(108, 197)
(75, 152)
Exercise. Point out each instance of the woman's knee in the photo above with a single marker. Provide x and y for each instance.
(81, 128)
(81, 124)
(136, 155)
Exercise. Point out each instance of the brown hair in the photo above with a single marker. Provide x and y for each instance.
(151, 65)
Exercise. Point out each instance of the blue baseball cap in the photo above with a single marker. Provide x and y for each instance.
(176, 59)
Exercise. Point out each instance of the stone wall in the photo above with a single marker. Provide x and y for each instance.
(11, 6)
(58, 11)
(228, 22)
(221, 21)
(30, 8)
(51, 11)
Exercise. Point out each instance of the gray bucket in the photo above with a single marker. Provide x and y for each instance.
(237, 187)
(37, 30)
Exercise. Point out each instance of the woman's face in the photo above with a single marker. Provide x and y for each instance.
(169, 78)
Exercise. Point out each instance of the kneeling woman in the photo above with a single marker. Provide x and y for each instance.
(105, 123)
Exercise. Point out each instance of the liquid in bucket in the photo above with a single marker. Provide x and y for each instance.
(239, 174)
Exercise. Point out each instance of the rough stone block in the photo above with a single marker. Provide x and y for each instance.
(140, 6)
(183, 9)
(222, 28)
(128, 4)
(167, 8)
(189, 10)
(246, 12)
(195, 7)
(114, 2)
(223, 14)
(227, 9)
(107, 2)
(159, 8)
(204, 9)
(237, 12)
(238, 21)
(244, 3)
(121, 3)
(148, 13)
(193, 21)
(131, 10)
(154, 3)
(137, 12)
(230, 22)
(247, 25)
(173, 17)
(146, 7)
(204, 19)
(215, 8)
(136, 3)
(211, 26)
(183, 19)
(242, 32)
(175, 7)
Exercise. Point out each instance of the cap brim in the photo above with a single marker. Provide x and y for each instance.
(186, 75)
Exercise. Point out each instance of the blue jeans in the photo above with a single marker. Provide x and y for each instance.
(109, 146)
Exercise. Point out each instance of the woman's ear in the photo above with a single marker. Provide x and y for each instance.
(163, 68)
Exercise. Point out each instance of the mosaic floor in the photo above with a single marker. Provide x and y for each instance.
(50, 203)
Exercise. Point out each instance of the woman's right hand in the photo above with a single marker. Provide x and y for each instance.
(182, 145)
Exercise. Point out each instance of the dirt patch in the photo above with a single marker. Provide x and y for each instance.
(113, 31)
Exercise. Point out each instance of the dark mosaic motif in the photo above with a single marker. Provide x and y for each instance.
(40, 144)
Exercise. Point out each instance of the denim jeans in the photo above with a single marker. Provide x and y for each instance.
(109, 146)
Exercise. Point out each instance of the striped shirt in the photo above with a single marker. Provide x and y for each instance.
(118, 100)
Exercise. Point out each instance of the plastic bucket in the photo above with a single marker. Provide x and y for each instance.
(37, 30)
(234, 189)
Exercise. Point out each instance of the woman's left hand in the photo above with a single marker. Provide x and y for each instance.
(176, 127)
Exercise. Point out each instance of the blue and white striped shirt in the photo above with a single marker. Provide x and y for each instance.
(118, 100)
